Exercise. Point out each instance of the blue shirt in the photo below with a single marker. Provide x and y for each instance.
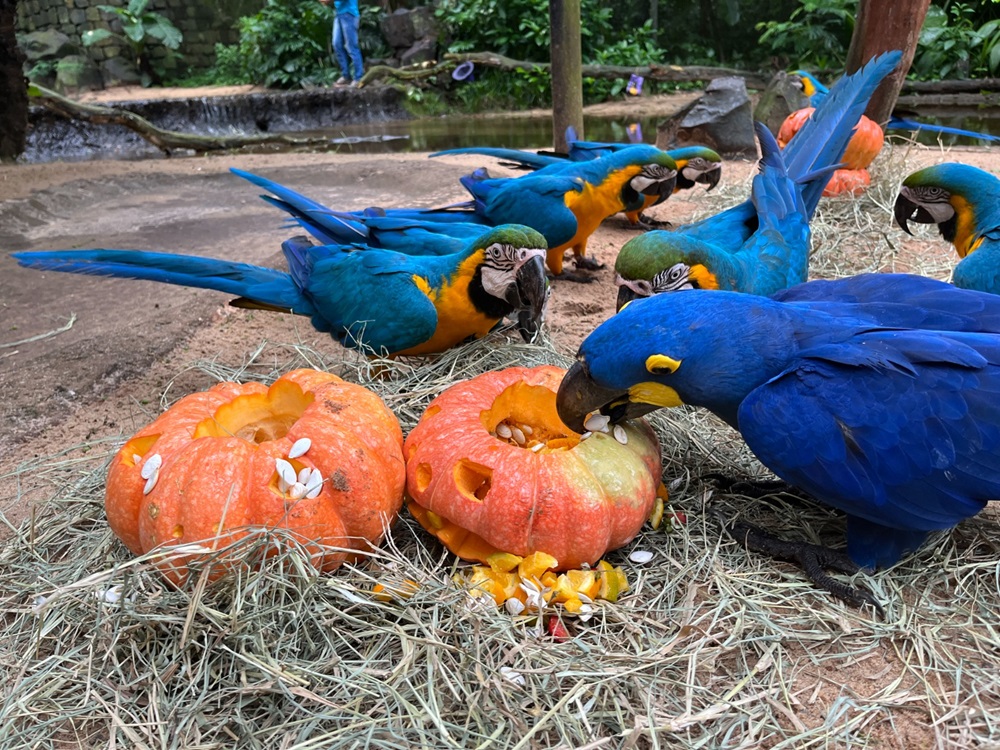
(346, 7)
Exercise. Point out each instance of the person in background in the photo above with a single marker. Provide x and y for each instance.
(345, 41)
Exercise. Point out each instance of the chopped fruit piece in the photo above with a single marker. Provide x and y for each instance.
(535, 564)
(503, 562)
(403, 590)
(584, 582)
(656, 517)
(557, 630)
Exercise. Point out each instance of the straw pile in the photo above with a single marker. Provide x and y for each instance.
(713, 647)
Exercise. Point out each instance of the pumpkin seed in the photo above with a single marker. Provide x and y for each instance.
(641, 556)
(282, 485)
(515, 432)
(303, 475)
(537, 447)
(514, 607)
(586, 435)
(151, 466)
(620, 435)
(597, 423)
(314, 484)
(150, 482)
(285, 470)
(297, 491)
(585, 612)
(526, 429)
(300, 447)
(513, 676)
(136, 459)
(503, 430)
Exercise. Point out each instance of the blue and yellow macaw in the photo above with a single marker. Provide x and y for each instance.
(762, 244)
(964, 202)
(695, 164)
(566, 207)
(379, 301)
(878, 395)
(817, 92)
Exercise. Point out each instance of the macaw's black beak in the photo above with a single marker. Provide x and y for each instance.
(711, 177)
(579, 396)
(625, 295)
(906, 210)
(530, 292)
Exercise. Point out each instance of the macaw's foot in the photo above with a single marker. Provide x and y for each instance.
(583, 263)
(748, 487)
(645, 222)
(580, 278)
(814, 560)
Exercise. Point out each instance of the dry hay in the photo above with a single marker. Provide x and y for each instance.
(713, 647)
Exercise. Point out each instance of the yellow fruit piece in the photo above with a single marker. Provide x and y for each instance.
(503, 562)
(434, 519)
(584, 582)
(403, 590)
(486, 581)
(656, 517)
(573, 605)
(535, 564)
(549, 579)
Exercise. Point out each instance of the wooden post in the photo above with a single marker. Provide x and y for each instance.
(567, 78)
(880, 26)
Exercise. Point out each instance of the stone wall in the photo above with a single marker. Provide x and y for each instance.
(203, 23)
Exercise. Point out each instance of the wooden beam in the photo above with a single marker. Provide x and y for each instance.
(567, 75)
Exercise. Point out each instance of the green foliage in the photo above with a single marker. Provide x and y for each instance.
(140, 28)
(952, 46)
(817, 33)
(285, 44)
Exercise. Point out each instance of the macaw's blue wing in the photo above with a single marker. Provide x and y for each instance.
(349, 291)
(907, 445)
(508, 157)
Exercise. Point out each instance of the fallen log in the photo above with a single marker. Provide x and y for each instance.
(169, 140)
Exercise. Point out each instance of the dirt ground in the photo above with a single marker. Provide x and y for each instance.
(103, 376)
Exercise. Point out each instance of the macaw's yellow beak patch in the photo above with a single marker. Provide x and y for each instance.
(654, 394)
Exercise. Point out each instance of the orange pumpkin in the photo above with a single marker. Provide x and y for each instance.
(491, 468)
(847, 181)
(217, 464)
(861, 151)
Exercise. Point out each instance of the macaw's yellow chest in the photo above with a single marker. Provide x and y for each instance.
(457, 318)
(966, 239)
(594, 204)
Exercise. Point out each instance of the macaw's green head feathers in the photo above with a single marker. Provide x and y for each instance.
(953, 196)
(696, 165)
(664, 261)
(671, 349)
(510, 276)
(657, 174)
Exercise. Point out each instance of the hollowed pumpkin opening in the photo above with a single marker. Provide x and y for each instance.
(473, 480)
(138, 446)
(533, 406)
(424, 475)
(258, 417)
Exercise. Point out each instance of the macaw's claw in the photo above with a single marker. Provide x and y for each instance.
(748, 487)
(814, 560)
(584, 263)
(646, 222)
(580, 278)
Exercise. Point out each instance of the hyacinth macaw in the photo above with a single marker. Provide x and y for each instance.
(566, 207)
(878, 395)
(695, 164)
(816, 92)
(762, 244)
(964, 202)
(380, 301)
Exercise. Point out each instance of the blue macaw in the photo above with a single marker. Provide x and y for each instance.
(379, 301)
(964, 202)
(762, 244)
(695, 164)
(566, 207)
(816, 92)
(878, 395)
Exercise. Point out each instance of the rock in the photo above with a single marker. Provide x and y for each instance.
(76, 73)
(406, 28)
(119, 72)
(423, 50)
(424, 23)
(47, 45)
(720, 119)
(782, 96)
(397, 28)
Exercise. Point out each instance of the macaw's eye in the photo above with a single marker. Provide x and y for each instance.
(934, 193)
(672, 279)
(696, 163)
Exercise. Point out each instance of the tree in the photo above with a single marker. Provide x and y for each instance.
(13, 87)
(880, 26)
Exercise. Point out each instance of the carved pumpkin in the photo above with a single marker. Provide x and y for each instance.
(847, 181)
(492, 468)
(312, 454)
(864, 146)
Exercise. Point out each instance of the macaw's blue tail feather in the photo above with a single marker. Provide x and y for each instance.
(329, 227)
(902, 123)
(507, 156)
(265, 287)
(456, 212)
(823, 139)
